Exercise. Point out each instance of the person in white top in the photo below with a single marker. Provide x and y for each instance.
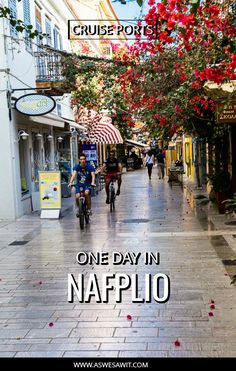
(150, 163)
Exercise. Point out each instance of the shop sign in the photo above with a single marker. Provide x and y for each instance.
(226, 113)
(35, 104)
(90, 151)
(50, 189)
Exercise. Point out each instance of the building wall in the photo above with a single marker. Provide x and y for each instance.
(17, 71)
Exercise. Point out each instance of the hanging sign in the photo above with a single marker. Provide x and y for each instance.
(35, 104)
(226, 113)
(90, 151)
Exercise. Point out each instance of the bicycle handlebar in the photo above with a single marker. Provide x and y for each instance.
(106, 173)
(74, 185)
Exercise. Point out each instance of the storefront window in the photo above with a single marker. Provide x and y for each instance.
(23, 146)
(47, 151)
(38, 159)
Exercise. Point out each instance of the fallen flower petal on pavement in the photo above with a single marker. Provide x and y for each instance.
(177, 343)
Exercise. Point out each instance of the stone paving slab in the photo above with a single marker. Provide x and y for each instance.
(192, 244)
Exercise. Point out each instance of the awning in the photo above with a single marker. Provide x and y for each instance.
(99, 127)
(105, 133)
(74, 124)
(48, 119)
(136, 144)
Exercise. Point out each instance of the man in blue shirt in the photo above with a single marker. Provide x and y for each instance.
(85, 174)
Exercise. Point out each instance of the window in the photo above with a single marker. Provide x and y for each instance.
(60, 42)
(47, 154)
(57, 39)
(37, 157)
(38, 17)
(48, 30)
(13, 9)
(27, 21)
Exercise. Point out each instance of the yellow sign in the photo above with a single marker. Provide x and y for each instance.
(50, 189)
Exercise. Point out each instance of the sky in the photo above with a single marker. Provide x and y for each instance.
(129, 11)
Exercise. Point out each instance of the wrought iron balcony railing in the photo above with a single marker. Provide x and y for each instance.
(48, 65)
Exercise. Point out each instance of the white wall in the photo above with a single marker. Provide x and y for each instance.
(17, 71)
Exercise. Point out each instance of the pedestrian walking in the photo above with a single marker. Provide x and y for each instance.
(149, 163)
(160, 165)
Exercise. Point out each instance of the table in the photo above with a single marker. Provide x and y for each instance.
(176, 175)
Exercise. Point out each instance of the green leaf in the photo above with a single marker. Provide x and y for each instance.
(195, 6)
(140, 2)
(19, 28)
(12, 22)
(32, 35)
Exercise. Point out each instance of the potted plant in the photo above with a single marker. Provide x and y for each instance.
(221, 183)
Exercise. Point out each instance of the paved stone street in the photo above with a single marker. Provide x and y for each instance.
(37, 321)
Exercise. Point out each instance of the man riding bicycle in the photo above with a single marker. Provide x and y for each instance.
(85, 174)
(113, 169)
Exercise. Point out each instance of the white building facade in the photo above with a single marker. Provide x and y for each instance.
(24, 65)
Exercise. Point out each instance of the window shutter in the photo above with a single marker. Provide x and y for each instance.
(55, 35)
(48, 31)
(13, 9)
(27, 21)
(60, 42)
(39, 29)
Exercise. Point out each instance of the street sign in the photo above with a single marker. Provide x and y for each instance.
(35, 104)
(226, 113)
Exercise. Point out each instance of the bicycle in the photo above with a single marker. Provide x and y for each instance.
(112, 194)
(112, 190)
(82, 213)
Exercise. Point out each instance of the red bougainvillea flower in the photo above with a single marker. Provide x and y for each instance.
(212, 306)
(129, 317)
(177, 343)
(211, 314)
(212, 301)
(51, 324)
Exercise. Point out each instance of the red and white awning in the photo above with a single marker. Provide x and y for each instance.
(105, 133)
(99, 127)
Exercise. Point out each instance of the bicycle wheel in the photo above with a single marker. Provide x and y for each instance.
(81, 214)
(86, 216)
(112, 200)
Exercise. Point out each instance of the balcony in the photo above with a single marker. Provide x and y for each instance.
(49, 69)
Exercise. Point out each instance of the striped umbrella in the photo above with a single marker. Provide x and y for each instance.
(99, 128)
